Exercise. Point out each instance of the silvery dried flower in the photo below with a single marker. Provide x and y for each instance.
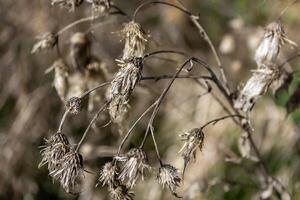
(55, 148)
(135, 40)
(256, 86)
(169, 176)
(192, 141)
(70, 4)
(122, 87)
(60, 78)
(269, 48)
(108, 174)
(74, 105)
(120, 192)
(100, 6)
(133, 165)
(46, 41)
(70, 170)
(80, 55)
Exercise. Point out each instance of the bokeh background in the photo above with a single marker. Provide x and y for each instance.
(30, 108)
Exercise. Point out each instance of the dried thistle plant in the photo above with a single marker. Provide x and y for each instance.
(133, 165)
(122, 87)
(80, 54)
(120, 192)
(169, 176)
(70, 4)
(61, 73)
(135, 40)
(193, 140)
(108, 174)
(46, 41)
(73, 105)
(70, 170)
(55, 148)
(100, 6)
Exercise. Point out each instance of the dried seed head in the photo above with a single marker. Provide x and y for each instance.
(55, 148)
(70, 4)
(70, 170)
(100, 6)
(135, 40)
(80, 50)
(108, 174)
(133, 165)
(192, 141)
(74, 105)
(169, 176)
(122, 87)
(256, 86)
(120, 193)
(46, 41)
(60, 78)
(269, 48)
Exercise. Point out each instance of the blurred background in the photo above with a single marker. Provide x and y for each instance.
(30, 109)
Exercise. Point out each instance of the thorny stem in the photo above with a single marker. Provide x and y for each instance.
(63, 119)
(90, 125)
(93, 89)
(132, 127)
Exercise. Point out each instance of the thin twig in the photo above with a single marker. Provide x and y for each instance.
(93, 89)
(63, 119)
(157, 78)
(214, 121)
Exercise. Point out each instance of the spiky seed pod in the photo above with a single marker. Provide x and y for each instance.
(193, 140)
(70, 170)
(256, 86)
(60, 81)
(80, 51)
(55, 148)
(268, 50)
(133, 165)
(169, 176)
(122, 86)
(46, 41)
(135, 40)
(108, 174)
(120, 192)
(74, 105)
(70, 4)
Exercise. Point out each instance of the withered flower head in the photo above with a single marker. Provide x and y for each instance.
(46, 41)
(80, 47)
(120, 193)
(108, 174)
(269, 48)
(70, 170)
(60, 78)
(55, 148)
(192, 141)
(74, 105)
(122, 87)
(135, 40)
(169, 176)
(133, 165)
(100, 6)
(70, 4)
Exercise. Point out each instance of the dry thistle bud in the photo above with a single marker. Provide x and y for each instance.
(122, 87)
(55, 148)
(70, 170)
(108, 174)
(256, 86)
(120, 193)
(80, 50)
(135, 40)
(169, 176)
(46, 41)
(192, 141)
(269, 48)
(74, 105)
(70, 4)
(60, 78)
(134, 164)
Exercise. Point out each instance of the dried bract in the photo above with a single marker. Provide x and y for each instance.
(192, 141)
(46, 41)
(269, 48)
(120, 193)
(169, 176)
(256, 86)
(133, 165)
(108, 174)
(122, 87)
(74, 105)
(70, 4)
(135, 40)
(60, 78)
(55, 148)
(70, 171)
